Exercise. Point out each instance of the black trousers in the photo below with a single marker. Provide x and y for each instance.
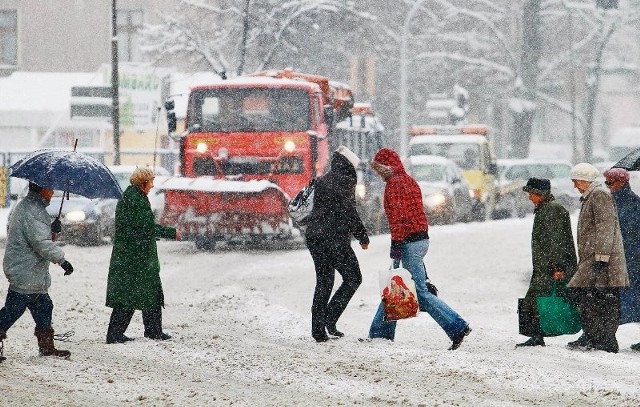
(600, 316)
(329, 257)
(120, 319)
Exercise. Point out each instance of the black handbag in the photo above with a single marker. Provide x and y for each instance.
(527, 324)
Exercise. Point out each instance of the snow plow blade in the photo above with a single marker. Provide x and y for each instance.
(207, 210)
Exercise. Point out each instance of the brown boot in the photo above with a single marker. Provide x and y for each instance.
(47, 348)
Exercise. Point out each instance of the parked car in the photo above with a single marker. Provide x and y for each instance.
(514, 173)
(446, 195)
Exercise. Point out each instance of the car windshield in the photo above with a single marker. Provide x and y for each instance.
(466, 155)
(235, 110)
(548, 171)
(428, 172)
(123, 179)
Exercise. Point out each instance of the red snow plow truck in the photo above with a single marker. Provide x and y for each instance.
(249, 145)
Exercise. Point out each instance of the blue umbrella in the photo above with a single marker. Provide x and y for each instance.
(68, 171)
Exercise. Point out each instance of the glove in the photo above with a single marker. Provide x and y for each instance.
(67, 267)
(432, 289)
(599, 267)
(395, 253)
(56, 226)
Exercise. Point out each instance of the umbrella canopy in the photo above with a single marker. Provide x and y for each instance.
(630, 162)
(68, 171)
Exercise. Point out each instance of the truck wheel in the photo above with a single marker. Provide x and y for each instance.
(479, 212)
(204, 243)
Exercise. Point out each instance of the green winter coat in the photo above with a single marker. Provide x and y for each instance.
(552, 248)
(134, 272)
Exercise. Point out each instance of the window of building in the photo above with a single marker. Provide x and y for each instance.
(8, 37)
(129, 23)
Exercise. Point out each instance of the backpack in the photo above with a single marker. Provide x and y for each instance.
(301, 206)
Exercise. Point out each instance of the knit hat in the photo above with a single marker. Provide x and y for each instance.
(349, 155)
(584, 172)
(141, 175)
(540, 186)
(617, 174)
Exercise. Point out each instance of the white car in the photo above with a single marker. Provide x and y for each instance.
(122, 173)
(513, 175)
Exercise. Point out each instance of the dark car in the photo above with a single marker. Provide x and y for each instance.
(445, 193)
(512, 201)
(84, 221)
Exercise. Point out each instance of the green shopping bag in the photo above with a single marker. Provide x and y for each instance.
(557, 317)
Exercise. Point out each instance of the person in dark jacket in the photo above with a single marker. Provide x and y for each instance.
(27, 255)
(602, 269)
(553, 253)
(409, 243)
(628, 207)
(332, 222)
(134, 272)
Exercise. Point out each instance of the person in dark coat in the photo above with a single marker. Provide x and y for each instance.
(553, 253)
(134, 272)
(602, 269)
(628, 207)
(332, 222)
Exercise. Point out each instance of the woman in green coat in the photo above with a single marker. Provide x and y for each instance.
(134, 273)
(553, 252)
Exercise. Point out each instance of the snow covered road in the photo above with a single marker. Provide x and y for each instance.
(241, 326)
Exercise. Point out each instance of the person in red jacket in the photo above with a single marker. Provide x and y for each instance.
(409, 244)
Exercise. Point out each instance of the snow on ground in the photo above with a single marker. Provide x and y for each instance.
(241, 326)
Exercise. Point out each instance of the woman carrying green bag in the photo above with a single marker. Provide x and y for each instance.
(552, 252)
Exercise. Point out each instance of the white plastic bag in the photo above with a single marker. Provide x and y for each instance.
(399, 296)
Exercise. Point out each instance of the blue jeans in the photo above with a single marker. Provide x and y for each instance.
(40, 306)
(413, 254)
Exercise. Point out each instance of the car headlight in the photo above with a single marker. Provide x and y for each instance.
(361, 190)
(434, 200)
(76, 216)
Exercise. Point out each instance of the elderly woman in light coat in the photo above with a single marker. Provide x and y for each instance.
(602, 270)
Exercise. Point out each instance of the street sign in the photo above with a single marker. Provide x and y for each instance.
(91, 102)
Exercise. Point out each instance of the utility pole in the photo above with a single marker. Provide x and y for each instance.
(115, 85)
(572, 82)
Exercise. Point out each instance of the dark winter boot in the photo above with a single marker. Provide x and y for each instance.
(45, 343)
(3, 336)
(333, 331)
(533, 341)
(581, 342)
(118, 324)
(458, 340)
(152, 321)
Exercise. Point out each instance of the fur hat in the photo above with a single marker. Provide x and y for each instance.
(584, 172)
(617, 174)
(349, 155)
(141, 175)
(540, 186)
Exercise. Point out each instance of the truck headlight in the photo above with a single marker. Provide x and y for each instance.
(289, 146)
(201, 148)
(435, 200)
(75, 216)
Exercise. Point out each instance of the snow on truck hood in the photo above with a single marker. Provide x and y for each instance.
(209, 184)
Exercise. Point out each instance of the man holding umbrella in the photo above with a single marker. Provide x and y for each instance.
(26, 261)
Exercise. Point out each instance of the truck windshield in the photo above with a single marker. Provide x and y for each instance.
(249, 110)
(466, 155)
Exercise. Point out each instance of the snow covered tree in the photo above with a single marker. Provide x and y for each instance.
(238, 36)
